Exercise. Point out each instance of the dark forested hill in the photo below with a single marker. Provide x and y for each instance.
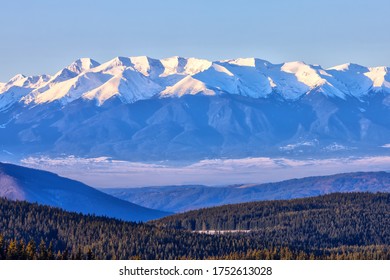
(71, 235)
(355, 219)
(339, 226)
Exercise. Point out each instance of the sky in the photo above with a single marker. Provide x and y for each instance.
(44, 36)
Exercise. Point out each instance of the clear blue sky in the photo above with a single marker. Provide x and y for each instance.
(43, 36)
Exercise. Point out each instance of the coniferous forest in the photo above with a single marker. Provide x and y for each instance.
(336, 226)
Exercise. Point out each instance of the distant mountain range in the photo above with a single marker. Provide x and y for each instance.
(140, 108)
(137, 204)
(184, 198)
(139, 78)
(25, 184)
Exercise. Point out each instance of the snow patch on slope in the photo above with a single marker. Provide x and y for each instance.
(68, 90)
(380, 78)
(188, 85)
(352, 78)
(18, 87)
(129, 86)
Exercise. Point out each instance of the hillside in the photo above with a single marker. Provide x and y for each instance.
(339, 226)
(184, 198)
(76, 236)
(329, 221)
(21, 183)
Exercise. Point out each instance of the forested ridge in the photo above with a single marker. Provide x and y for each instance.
(308, 224)
(338, 226)
(77, 236)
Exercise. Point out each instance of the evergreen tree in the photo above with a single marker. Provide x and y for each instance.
(42, 251)
(21, 250)
(50, 254)
(31, 250)
(12, 250)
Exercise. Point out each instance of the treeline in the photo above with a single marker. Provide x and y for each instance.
(31, 231)
(18, 250)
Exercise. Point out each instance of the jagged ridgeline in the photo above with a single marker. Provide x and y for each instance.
(140, 108)
(337, 226)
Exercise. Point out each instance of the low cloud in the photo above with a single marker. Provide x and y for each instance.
(105, 172)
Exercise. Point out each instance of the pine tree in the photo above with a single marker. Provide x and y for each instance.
(21, 249)
(31, 250)
(42, 251)
(12, 250)
(50, 254)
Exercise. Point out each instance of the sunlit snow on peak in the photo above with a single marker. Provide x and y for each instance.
(185, 66)
(142, 77)
(82, 65)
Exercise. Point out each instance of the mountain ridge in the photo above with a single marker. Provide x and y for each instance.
(140, 108)
(176, 76)
(46, 188)
(184, 198)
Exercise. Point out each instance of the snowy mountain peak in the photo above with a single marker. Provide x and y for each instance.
(63, 75)
(23, 81)
(304, 73)
(114, 67)
(75, 68)
(350, 67)
(119, 61)
(141, 77)
(184, 66)
(16, 78)
(130, 86)
(295, 66)
(82, 65)
(251, 62)
(147, 66)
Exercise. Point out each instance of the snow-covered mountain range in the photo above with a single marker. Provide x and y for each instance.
(145, 108)
(139, 78)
